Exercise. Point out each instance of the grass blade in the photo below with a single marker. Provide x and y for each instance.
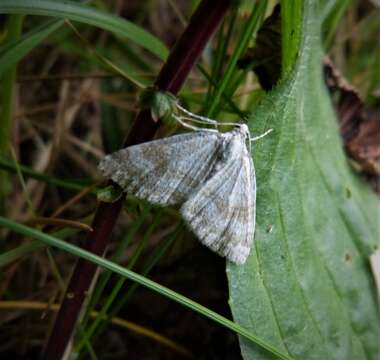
(170, 294)
(16, 50)
(87, 15)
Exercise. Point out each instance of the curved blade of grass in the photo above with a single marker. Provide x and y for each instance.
(106, 275)
(119, 284)
(16, 50)
(103, 59)
(332, 13)
(152, 261)
(88, 15)
(19, 252)
(117, 321)
(249, 30)
(307, 286)
(29, 173)
(12, 28)
(23, 250)
(170, 294)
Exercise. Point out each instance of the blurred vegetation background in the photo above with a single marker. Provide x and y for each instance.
(69, 91)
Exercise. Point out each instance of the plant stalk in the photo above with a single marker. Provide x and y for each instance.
(182, 58)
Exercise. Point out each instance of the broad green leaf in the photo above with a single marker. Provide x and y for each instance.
(16, 50)
(88, 15)
(306, 287)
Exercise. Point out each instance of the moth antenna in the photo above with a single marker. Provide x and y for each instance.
(181, 119)
(260, 136)
(203, 119)
(257, 138)
(188, 118)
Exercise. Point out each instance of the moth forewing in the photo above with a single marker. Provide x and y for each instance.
(164, 171)
(209, 173)
(222, 212)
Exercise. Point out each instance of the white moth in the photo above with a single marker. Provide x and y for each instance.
(210, 174)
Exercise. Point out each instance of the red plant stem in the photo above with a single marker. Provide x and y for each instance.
(171, 77)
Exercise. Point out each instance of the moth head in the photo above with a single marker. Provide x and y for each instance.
(243, 129)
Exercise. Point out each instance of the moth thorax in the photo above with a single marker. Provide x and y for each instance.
(243, 129)
(235, 147)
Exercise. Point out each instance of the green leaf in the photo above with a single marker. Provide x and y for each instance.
(306, 287)
(16, 50)
(291, 11)
(88, 15)
(161, 103)
(109, 194)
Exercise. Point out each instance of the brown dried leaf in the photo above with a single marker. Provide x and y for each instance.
(360, 127)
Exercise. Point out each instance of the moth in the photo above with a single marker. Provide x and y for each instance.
(208, 173)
